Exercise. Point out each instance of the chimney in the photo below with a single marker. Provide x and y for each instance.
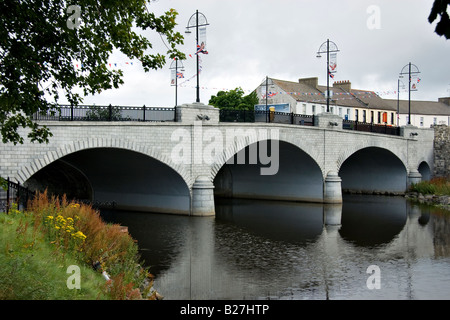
(445, 100)
(312, 82)
(346, 85)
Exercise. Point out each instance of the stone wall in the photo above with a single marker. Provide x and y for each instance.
(441, 151)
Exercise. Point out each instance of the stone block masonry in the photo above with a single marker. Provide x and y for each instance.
(441, 151)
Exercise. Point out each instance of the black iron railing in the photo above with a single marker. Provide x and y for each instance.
(370, 127)
(14, 193)
(124, 113)
(106, 113)
(265, 116)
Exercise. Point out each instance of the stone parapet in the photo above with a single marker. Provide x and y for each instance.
(328, 120)
(188, 113)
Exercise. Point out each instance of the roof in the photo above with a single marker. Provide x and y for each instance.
(308, 90)
(342, 97)
(421, 107)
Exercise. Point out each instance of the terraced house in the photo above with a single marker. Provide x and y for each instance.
(309, 98)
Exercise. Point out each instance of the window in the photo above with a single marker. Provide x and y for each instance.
(340, 112)
(434, 120)
(304, 108)
(392, 118)
(379, 117)
(314, 109)
(421, 121)
(356, 114)
(364, 116)
(332, 109)
(371, 117)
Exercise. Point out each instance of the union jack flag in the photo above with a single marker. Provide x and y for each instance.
(200, 49)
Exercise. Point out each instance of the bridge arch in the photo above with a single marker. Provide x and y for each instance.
(37, 164)
(373, 169)
(131, 176)
(425, 170)
(247, 137)
(294, 174)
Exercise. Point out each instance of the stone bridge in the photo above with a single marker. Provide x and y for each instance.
(180, 167)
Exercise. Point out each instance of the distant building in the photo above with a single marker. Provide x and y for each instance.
(424, 113)
(308, 97)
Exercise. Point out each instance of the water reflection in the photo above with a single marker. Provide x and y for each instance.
(277, 250)
(287, 221)
(371, 220)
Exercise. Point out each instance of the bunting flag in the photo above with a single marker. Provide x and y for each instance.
(414, 82)
(79, 65)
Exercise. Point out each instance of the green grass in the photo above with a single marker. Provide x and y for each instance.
(435, 186)
(37, 248)
(31, 268)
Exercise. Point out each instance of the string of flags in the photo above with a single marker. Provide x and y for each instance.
(111, 64)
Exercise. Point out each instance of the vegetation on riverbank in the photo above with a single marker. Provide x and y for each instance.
(59, 249)
(438, 186)
(435, 191)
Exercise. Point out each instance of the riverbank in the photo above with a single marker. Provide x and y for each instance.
(433, 192)
(60, 250)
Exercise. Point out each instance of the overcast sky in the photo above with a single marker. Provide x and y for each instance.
(248, 40)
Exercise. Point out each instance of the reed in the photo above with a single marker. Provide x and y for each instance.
(436, 186)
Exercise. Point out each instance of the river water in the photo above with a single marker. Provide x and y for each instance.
(385, 248)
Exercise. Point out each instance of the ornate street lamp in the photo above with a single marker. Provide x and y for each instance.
(329, 47)
(410, 69)
(197, 20)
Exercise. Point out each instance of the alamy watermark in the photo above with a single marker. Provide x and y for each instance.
(73, 22)
(74, 280)
(374, 280)
(205, 146)
(374, 20)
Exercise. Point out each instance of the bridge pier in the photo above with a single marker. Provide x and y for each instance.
(414, 176)
(202, 197)
(332, 190)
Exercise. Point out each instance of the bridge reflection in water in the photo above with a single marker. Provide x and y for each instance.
(279, 250)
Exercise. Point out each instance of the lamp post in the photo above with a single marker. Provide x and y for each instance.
(174, 69)
(409, 71)
(328, 47)
(197, 20)
(268, 82)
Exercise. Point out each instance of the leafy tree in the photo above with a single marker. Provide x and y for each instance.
(234, 99)
(443, 26)
(41, 40)
(97, 113)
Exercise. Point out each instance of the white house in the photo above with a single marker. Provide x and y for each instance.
(308, 97)
(424, 113)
